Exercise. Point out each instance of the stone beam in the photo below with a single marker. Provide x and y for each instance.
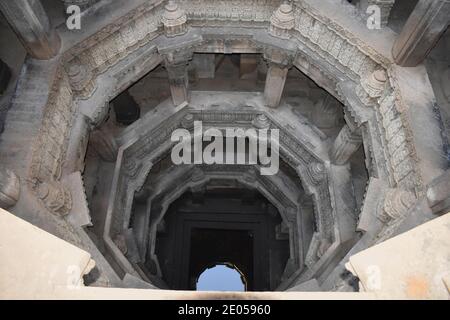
(32, 26)
(346, 144)
(421, 32)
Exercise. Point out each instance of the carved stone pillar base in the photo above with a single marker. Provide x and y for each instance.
(276, 78)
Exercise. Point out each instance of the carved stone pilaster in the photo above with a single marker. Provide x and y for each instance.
(372, 87)
(176, 64)
(174, 20)
(347, 142)
(56, 198)
(9, 188)
(282, 21)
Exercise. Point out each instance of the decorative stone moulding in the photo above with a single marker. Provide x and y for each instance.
(282, 21)
(81, 80)
(396, 204)
(261, 122)
(56, 198)
(174, 20)
(372, 87)
(9, 188)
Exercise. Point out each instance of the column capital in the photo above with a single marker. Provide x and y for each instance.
(278, 57)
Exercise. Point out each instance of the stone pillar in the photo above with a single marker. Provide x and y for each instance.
(178, 81)
(9, 188)
(346, 144)
(83, 4)
(276, 78)
(32, 26)
(421, 32)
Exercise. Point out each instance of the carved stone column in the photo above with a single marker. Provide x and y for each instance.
(346, 144)
(179, 82)
(279, 65)
(32, 26)
(421, 32)
(276, 78)
(9, 188)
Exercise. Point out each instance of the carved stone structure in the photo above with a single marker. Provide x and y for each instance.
(362, 142)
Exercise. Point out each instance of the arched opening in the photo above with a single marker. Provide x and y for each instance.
(222, 277)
